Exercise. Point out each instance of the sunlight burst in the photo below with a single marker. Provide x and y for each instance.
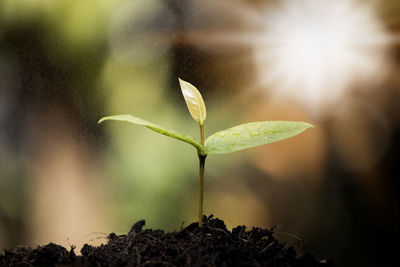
(310, 51)
(314, 50)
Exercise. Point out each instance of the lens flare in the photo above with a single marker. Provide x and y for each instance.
(314, 51)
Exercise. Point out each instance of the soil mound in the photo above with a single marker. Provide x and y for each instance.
(209, 245)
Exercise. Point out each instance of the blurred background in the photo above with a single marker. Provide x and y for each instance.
(64, 64)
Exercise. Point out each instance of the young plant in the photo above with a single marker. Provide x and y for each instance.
(233, 139)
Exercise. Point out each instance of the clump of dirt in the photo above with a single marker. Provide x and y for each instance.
(209, 245)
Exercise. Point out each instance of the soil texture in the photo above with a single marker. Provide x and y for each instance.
(209, 245)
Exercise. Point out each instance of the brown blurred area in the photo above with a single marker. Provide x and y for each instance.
(64, 178)
(336, 185)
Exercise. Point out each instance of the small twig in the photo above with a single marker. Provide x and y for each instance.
(302, 241)
(267, 247)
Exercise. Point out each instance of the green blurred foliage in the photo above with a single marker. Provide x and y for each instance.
(148, 175)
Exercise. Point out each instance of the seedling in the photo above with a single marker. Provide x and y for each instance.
(233, 139)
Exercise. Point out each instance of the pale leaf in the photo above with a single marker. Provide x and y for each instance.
(194, 101)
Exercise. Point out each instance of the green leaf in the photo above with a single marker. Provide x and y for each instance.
(159, 129)
(252, 134)
(194, 101)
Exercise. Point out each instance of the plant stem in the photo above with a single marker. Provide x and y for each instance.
(202, 160)
(202, 135)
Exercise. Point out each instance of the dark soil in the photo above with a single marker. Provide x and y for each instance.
(209, 245)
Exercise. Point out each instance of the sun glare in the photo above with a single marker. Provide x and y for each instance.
(313, 51)
(310, 51)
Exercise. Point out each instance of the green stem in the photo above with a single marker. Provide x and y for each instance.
(202, 135)
(202, 160)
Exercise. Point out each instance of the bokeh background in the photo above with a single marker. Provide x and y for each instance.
(64, 64)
